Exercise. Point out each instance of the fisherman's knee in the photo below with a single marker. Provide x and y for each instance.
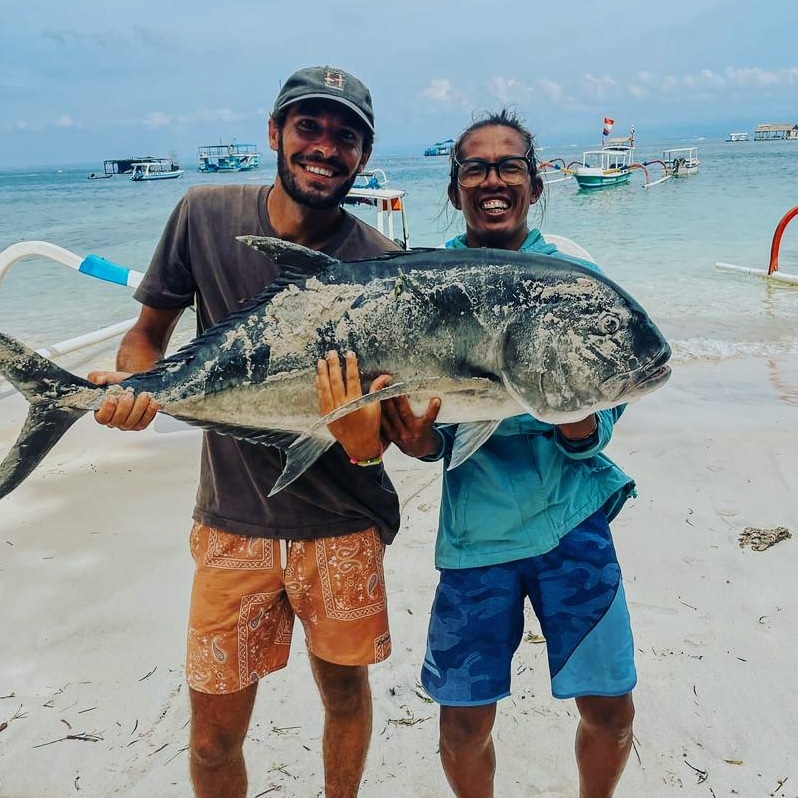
(219, 725)
(466, 727)
(344, 689)
(612, 715)
(212, 747)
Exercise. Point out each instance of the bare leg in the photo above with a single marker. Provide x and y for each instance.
(346, 696)
(219, 725)
(467, 753)
(603, 743)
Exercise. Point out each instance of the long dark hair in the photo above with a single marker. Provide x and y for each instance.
(506, 118)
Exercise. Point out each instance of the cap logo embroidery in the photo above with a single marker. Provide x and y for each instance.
(334, 79)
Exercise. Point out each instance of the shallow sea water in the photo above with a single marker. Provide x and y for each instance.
(659, 243)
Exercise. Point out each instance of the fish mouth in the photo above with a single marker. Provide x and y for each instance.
(643, 379)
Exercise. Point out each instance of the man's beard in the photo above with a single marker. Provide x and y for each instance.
(312, 199)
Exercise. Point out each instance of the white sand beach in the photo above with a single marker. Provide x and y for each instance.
(94, 587)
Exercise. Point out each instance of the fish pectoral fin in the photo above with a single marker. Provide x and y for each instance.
(299, 457)
(398, 389)
(308, 447)
(469, 437)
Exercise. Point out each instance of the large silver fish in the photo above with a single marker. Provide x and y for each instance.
(493, 333)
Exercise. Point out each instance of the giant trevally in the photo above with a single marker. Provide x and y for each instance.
(494, 333)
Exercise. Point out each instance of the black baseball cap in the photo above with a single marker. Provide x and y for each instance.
(327, 83)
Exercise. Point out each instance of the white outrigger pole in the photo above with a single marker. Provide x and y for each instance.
(772, 272)
(91, 265)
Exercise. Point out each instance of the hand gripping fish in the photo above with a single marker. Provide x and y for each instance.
(493, 333)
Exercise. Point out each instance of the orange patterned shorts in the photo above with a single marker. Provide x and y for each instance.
(247, 591)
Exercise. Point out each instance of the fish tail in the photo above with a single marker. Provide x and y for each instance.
(43, 384)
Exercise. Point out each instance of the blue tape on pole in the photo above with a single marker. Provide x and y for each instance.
(95, 266)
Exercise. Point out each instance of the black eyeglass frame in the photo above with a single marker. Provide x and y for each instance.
(496, 165)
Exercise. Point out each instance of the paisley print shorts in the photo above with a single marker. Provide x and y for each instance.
(248, 590)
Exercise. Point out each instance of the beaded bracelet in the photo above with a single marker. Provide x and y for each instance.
(372, 461)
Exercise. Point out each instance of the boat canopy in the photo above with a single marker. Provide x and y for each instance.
(124, 166)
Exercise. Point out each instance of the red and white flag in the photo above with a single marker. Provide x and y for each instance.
(608, 123)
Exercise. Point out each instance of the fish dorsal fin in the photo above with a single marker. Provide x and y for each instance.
(290, 255)
(469, 437)
(297, 263)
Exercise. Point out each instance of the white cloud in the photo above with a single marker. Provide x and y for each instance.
(441, 90)
(639, 92)
(597, 88)
(705, 85)
(213, 115)
(755, 78)
(508, 90)
(552, 90)
(65, 120)
(157, 119)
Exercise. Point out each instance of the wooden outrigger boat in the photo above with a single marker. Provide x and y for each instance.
(602, 168)
(681, 162)
(554, 171)
(612, 165)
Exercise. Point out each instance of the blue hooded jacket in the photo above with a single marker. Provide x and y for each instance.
(526, 486)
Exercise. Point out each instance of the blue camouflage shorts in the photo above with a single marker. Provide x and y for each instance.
(477, 622)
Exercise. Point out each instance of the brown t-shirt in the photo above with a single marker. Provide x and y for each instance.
(199, 258)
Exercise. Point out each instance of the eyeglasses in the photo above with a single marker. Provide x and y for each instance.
(512, 171)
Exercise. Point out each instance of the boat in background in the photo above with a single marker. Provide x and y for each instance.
(681, 162)
(602, 168)
(369, 191)
(737, 137)
(609, 166)
(440, 148)
(370, 178)
(120, 166)
(613, 164)
(155, 169)
(228, 157)
(554, 171)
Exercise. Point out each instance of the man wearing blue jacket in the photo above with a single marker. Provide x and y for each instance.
(526, 516)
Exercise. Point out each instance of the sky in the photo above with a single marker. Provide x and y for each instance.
(86, 80)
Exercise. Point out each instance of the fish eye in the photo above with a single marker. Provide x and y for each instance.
(609, 324)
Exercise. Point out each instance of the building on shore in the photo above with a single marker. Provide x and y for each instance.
(776, 132)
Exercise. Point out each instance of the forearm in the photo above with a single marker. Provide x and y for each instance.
(139, 351)
(434, 448)
(579, 430)
(588, 437)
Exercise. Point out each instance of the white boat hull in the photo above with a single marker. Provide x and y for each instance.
(139, 178)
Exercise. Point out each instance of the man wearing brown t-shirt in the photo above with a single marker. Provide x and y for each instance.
(262, 561)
